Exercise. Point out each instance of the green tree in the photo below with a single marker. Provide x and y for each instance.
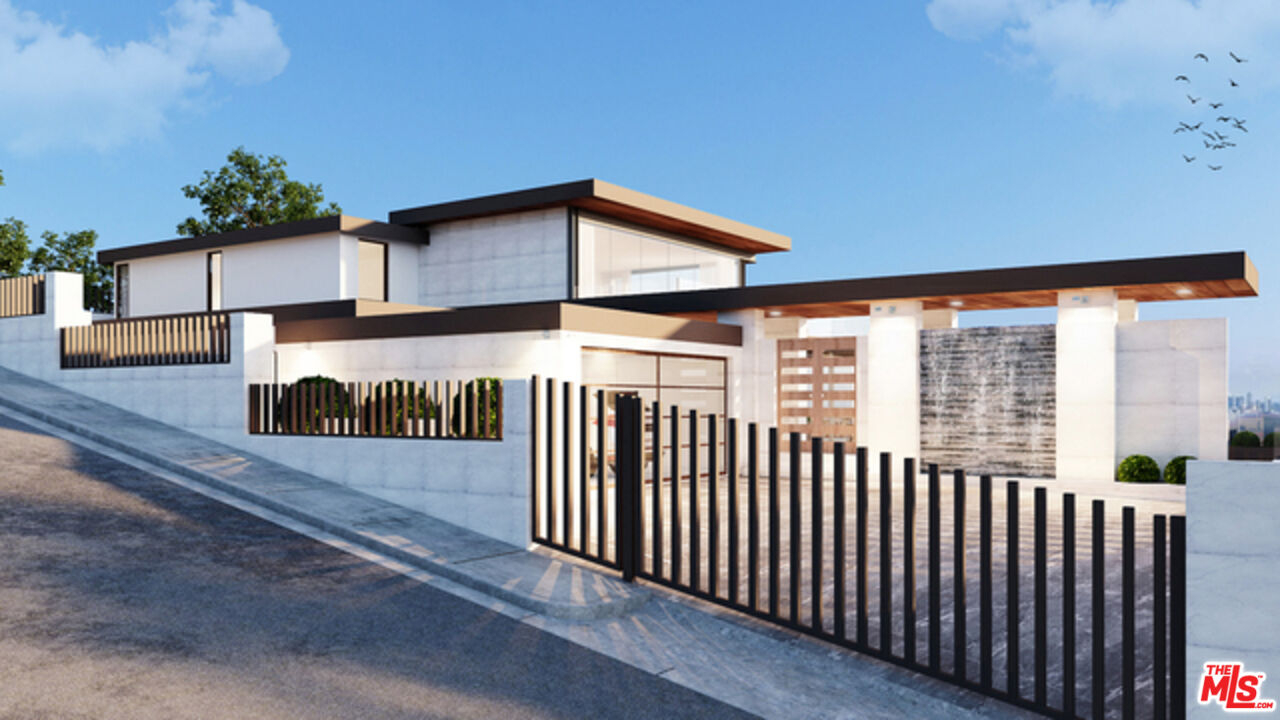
(73, 252)
(15, 245)
(251, 191)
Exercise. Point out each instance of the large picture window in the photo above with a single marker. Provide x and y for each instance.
(617, 260)
(122, 290)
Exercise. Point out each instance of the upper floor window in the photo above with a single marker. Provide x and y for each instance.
(122, 290)
(372, 271)
(213, 290)
(618, 260)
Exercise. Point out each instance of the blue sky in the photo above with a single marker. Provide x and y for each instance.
(884, 138)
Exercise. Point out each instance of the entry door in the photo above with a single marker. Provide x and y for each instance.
(817, 389)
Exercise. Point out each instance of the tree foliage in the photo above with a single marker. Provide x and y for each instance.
(73, 252)
(70, 252)
(251, 191)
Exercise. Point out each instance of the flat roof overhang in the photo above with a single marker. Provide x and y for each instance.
(608, 200)
(391, 322)
(1182, 277)
(349, 224)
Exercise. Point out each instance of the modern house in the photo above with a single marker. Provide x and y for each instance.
(600, 285)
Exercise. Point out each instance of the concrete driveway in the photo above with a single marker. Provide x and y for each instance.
(124, 596)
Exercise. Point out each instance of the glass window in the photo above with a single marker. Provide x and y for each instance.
(214, 282)
(372, 271)
(122, 290)
(618, 261)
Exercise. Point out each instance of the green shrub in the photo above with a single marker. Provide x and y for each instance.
(1138, 469)
(341, 407)
(1175, 473)
(402, 391)
(471, 398)
(1271, 439)
(1244, 438)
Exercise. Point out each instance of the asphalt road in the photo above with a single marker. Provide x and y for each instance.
(124, 596)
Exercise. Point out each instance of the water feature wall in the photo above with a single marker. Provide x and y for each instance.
(987, 399)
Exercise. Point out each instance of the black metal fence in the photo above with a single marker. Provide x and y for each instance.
(1099, 632)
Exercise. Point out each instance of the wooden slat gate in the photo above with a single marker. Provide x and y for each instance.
(817, 387)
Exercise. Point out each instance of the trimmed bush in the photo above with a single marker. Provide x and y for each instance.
(401, 390)
(340, 408)
(1138, 469)
(455, 411)
(1244, 438)
(1271, 440)
(1175, 473)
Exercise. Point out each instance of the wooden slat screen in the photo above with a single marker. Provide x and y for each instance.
(184, 340)
(462, 410)
(21, 296)
(811, 399)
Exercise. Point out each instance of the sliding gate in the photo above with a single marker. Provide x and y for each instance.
(995, 589)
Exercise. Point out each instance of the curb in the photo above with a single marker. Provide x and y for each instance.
(635, 597)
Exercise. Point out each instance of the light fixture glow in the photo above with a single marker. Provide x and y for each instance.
(1184, 292)
(775, 313)
(956, 303)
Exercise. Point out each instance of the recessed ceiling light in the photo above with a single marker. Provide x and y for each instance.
(775, 313)
(956, 303)
(1184, 292)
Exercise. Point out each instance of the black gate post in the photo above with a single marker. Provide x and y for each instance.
(627, 509)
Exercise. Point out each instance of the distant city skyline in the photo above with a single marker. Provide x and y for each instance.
(884, 138)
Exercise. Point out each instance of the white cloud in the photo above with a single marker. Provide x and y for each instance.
(62, 88)
(1127, 51)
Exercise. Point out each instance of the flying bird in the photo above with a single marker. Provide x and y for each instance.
(1189, 159)
(1206, 144)
(1183, 78)
(1215, 106)
(1239, 125)
(1193, 100)
(1223, 118)
(1220, 136)
(1200, 56)
(1233, 82)
(1208, 135)
(1237, 59)
(1215, 168)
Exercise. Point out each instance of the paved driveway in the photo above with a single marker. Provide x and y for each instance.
(123, 596)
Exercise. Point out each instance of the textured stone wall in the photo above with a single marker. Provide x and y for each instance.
(987, 399)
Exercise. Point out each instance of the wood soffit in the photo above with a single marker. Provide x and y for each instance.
(1185, 277)
(609, 200)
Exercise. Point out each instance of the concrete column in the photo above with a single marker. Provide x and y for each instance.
(64, 299)
(1127, 311)
(1233, 546)
(1086, 385)
(941, 319)
(753, 380)
(253, 342)
(892, 387)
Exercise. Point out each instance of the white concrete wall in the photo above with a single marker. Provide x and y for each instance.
(1171, 389)
(1086, 386)
(1233, 590)
(311, 268)
(30, 344)
(506, 258)
(208, 399)
(480, 485)
(274, 272)
(403, 259)
(168, 284)
(752, 382)
(892, 381)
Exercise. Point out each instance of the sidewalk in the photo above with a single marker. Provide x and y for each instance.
(747, 663)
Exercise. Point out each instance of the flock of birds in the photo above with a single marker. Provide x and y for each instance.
(1213, 139)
